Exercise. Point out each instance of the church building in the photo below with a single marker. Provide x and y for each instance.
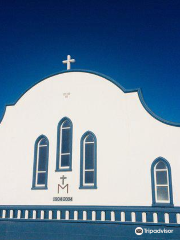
(83, 158)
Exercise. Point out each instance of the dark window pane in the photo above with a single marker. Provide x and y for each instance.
(89, 138)
(41, 178)
(65, 160)
(161, 165)
(43, 155)
(66, 140)
(43, 141)
(89, 177)
(66, 124)
(89, 156)
(162, 193)
(161, 177)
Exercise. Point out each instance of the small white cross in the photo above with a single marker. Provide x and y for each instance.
(68, 62)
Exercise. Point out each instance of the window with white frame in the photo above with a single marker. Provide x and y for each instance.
(64, 149)
(89, 160)
(161, 180)
(41, 162)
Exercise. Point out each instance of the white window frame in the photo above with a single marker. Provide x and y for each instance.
(161, 185)
(87, 170)
(60, 147)
(37, 163)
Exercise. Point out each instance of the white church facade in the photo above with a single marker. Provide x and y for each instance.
(79, 147)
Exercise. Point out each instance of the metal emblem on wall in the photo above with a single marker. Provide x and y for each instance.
(63, 188)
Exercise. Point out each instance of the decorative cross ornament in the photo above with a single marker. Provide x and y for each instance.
(63, 178)
(68, 62)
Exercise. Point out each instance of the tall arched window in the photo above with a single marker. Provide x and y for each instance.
(64, 145)
(88, 168)
(161, 182)
(41, 155)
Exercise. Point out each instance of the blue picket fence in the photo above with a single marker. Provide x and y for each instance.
(92, 213)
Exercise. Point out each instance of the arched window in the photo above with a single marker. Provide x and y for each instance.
(41, 155)
(161, 182)
(88, 168)
(64, 145)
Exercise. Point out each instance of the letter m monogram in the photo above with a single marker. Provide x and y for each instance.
(63, 187)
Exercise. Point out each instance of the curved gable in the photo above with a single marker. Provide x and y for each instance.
(138, 91)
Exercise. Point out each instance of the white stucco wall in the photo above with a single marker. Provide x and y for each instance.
(128, 141)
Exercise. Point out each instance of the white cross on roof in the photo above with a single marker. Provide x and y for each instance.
(68, 62)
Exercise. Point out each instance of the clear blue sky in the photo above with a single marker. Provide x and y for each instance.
(137, 43)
